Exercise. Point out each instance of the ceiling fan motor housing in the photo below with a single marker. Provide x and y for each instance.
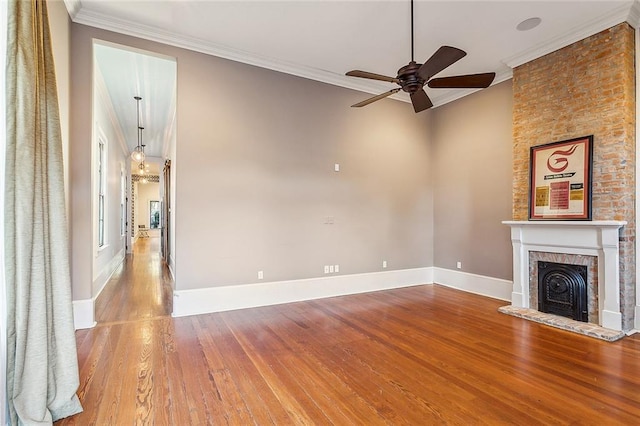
(410, 81)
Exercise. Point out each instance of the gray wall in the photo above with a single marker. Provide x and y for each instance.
(256, 178)
(472, 164)
(254, 174)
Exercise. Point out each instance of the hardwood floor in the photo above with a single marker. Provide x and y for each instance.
(422, 355)
(140, 288)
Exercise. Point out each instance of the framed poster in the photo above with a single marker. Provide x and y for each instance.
(560, 180)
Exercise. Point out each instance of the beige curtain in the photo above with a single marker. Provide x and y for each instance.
(42, 365)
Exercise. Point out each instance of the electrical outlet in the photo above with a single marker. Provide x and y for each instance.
(384, 263)
(326, 269)
(336, 268)
(336, 167)
(260, 275)
(459, 265)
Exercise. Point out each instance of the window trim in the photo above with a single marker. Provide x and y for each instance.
(101, 191)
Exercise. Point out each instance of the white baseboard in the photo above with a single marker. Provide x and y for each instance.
(108, 271)
(83, 310)
(170, 265)
(83, 314)
(219, 299)
(226, 298)
(637, 316)
(479, 284)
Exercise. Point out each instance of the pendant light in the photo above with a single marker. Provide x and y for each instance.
(138, 153)
(141, 165)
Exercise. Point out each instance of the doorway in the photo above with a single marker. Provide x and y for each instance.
(134, 108)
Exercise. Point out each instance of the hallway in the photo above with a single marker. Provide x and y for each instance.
(139, 289)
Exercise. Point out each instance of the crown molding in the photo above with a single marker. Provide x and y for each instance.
(615, 17)
(73, 7)
(629, 13)
(202, 46)
(146, 32)
(634, 15)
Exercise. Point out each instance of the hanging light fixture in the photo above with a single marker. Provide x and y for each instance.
(141, 166)
(138, 153)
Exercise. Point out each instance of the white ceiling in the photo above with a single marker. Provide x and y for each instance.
(127, 73)
(322, 40)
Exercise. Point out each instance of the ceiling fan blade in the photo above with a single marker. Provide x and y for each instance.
(420, 100)
(443, 58)
(471, 81)
(372, 76)
(375, 98)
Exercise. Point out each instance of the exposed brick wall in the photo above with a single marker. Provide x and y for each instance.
(583, 89)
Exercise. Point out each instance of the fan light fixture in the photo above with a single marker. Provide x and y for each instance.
(138, 153)
(413, 77)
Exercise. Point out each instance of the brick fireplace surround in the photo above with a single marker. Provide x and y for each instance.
(587, 88)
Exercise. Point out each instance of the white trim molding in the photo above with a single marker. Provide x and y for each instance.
(85, 16)
(496, 288)
(83, 314)
(219, 299)
(592, 238)
(634, 16)
(102, 277)
(615, 17)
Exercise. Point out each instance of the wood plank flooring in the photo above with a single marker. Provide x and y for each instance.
(421, 356)
(140, 288)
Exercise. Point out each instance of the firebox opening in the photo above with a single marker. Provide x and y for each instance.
(562, 290)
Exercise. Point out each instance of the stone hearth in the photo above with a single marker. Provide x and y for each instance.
(563, 323)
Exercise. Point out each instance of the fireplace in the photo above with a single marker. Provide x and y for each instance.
(597, 240)
(562, 290)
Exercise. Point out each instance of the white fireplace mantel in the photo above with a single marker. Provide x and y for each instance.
(592, 238)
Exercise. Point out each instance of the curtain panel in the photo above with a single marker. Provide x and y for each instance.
(42, 365)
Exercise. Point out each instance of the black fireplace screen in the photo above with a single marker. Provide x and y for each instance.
(562, 290)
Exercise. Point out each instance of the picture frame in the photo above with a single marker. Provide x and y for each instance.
(560, 180)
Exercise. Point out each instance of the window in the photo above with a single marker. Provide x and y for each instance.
(154, 214)
(102, 171)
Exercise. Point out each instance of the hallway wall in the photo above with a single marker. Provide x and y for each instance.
(107, 258)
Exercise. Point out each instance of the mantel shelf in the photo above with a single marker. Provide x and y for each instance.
(567, 223)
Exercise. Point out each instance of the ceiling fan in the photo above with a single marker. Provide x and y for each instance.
(413, 76)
